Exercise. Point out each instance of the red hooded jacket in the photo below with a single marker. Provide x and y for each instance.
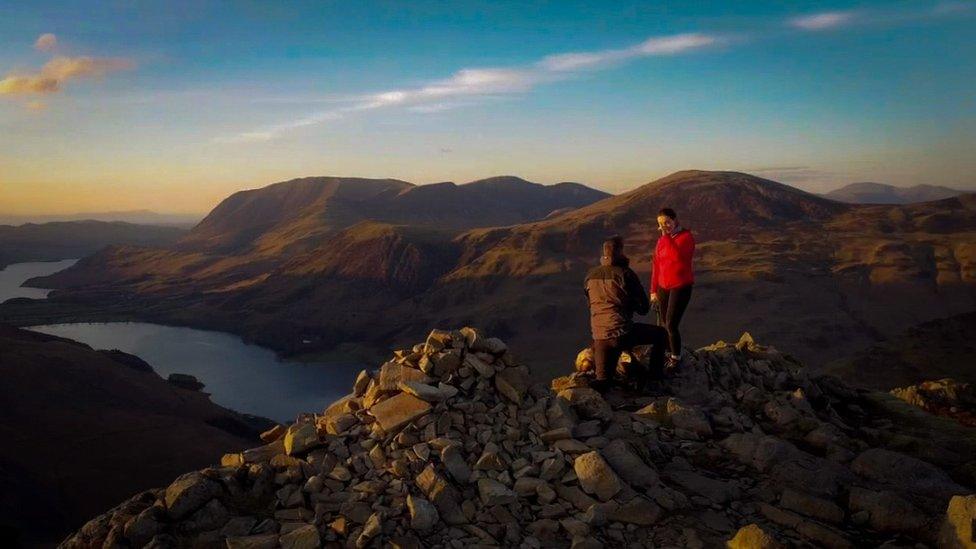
(671, 267)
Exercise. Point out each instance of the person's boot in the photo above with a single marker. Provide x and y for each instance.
(672, 362)
(601, 385)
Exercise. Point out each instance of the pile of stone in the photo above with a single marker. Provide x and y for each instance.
(449, 445)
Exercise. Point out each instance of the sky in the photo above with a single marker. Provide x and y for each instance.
(174, 105)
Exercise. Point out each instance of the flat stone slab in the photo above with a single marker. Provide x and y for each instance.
(397, 411)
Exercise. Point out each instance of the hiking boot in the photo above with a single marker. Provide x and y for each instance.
(601, 385)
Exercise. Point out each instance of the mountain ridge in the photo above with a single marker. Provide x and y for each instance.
(311, 208)
(867, 192)
(57, 240)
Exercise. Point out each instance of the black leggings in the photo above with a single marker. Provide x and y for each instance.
(672, 307)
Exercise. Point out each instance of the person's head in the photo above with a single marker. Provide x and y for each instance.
(667, 220)
(613, 250)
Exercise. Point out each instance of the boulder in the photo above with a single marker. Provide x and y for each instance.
(493, 492)
(442, 494)
(443, 363)
(752, 536)
(483, 368)
(361, 384)
(909, 473)
(637, 511)
(438, 340)
(629, 465)
(146, 525)
(423, 514)
(587, 403)
(811, 506)
(274, 433)
(300, 438)
(512, 383)
(453, 458)
(427, 392)
(959, 528)
(887, 511)
(189, 493)
(304, 537)
(596, 476)
(397, 411)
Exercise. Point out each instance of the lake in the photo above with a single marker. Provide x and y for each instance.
(14, 275)
(242, 377)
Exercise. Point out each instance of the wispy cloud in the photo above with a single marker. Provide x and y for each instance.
(59, 71)
(823, 21)
(466, 85)
(830, 20)
(664, 45)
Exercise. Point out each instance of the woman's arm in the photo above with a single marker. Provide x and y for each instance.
(685, 246)
(654, 271)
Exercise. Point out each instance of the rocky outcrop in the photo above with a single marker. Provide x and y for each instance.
(944, 397)
(447, 445)
(185, 381)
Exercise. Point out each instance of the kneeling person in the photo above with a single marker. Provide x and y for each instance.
(615, 294)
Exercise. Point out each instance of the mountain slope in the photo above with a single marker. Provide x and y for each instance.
(71, 239)
(84, 428)
(881, 193)
(825, 278)
(940, 348)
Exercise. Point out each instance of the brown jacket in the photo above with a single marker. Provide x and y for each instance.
(615, 294)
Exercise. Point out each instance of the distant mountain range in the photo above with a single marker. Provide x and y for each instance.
(881, 193)
(71, 239)
(139, 217)
(297, 214)
(304, 265)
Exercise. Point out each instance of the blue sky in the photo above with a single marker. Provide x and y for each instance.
(172, 106)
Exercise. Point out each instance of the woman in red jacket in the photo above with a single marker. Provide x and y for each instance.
(672, 278)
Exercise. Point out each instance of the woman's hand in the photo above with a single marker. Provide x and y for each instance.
(654, 298)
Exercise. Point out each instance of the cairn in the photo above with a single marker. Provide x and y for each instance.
(450, 445)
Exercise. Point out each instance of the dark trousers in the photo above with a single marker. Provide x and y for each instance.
(672, 305)
(606, 352)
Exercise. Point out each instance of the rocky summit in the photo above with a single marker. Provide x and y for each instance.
(448, 444)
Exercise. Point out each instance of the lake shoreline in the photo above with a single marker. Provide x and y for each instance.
(26, 312)
(244, 377)
(14, 277)
(239, 373)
